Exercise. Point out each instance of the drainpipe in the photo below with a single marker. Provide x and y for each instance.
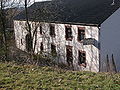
(99, 45)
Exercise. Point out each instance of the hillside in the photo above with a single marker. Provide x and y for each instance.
(29, 77)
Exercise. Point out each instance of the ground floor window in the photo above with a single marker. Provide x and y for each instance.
(53, 49)
(69, 55)
(82, 58)
(41, 46)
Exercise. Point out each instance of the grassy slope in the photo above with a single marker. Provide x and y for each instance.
(30, 77)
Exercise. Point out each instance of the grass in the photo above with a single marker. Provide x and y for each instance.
(29, 77)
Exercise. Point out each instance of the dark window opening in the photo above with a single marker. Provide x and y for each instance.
(53, 49)
(81, 34)
(20, 23)
(40, 30)
(41, 46)
(21, 42)
(52, 30)
(82, 58)
(69, 55)
(68, 32)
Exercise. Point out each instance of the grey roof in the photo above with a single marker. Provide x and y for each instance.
(71, 11)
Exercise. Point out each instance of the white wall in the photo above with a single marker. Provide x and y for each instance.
(92, 53)
(110, 38)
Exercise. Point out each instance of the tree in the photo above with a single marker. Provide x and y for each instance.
(4, 4)
(3, 26)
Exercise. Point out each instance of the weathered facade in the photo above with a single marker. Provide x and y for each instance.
(74, 29)
(61, 43)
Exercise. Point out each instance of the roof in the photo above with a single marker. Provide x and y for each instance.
(71, 11)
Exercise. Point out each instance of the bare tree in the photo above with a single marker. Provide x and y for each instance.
(3, 26)
(4, 5)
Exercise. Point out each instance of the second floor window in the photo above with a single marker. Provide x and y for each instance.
(68, 32)
(52, 30)
(40, 28)
(81, 34)
(53, 49)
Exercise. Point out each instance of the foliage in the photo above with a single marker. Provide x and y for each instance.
(29, 77)
(2, 53)
(2, 48)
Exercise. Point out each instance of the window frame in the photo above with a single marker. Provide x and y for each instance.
(82, 63)
(52, 30)
(67, 36)
(81, 33)
(69, 57)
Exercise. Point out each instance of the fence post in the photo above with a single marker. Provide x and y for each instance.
(107, 64)
(114, 69)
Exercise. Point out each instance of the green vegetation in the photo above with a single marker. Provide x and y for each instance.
(29, 77)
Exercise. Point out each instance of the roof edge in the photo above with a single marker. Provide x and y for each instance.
(58, 22)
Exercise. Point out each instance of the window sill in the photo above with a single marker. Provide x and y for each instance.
(83, 64)
(80, 41)
(69, 39)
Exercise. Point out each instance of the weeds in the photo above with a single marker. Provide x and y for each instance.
(30, 77)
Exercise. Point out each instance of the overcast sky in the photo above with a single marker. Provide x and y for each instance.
(21, 2)
(32, 1)
(40, 0)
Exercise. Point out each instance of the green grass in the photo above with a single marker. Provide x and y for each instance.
(29, 77)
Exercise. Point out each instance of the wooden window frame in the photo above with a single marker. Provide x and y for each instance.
(80, 62)
(68, 55)
(67, 36)
(79, 34)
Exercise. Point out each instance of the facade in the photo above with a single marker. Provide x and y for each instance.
(74, 35)
(66, 40)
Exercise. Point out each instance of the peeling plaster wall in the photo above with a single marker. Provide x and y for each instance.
(92, 53)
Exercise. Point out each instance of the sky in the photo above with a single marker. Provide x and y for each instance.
(32, 1)
(16, 3)
(39, 0)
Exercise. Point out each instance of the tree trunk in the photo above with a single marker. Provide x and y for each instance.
(3, 28)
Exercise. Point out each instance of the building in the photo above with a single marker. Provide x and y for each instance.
(73, 30)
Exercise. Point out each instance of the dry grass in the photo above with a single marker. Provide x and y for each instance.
(29, 77)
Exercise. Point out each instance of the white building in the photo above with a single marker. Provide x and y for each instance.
(73, 29)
